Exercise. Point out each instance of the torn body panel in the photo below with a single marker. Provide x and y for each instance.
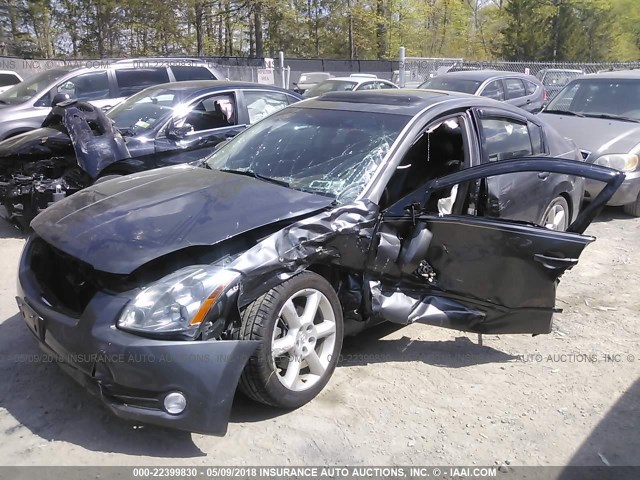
(339, 237)
(96, 141)
(405, 308)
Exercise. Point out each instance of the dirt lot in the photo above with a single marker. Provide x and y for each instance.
(416, 395)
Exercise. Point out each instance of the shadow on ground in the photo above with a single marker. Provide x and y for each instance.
(8, 230)
(612, 213)
(371, 347)
(616, 439)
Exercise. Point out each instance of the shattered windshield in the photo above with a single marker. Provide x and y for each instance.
(27, 89)
(142, 111)
(329, 152)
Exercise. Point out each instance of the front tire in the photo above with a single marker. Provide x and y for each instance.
(299, 326)
(633, 209)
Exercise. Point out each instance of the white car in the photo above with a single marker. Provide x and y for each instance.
(8, 78)
(348, 84)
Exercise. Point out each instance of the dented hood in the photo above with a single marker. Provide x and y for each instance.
(120, 225)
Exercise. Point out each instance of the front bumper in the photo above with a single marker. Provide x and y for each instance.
(626, 194)
(132, 374)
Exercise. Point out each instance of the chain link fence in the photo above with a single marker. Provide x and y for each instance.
(417, 70)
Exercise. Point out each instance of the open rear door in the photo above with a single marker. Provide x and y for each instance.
(475, 273)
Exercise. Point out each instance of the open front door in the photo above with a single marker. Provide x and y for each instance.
(475, 273)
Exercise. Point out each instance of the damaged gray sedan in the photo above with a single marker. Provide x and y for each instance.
(163, 291)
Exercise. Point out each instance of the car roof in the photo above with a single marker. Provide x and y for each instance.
(165, 60)
(482, 75)
(357, 79)
(397, 101)
(138, 63)
(197, 87)
(631, 74)
(572, 70)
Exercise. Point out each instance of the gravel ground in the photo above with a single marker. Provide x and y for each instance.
(413, 395)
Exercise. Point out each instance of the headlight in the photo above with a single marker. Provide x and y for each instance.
(177, 303)
(620, 161)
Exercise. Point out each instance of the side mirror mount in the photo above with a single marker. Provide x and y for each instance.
(59, 98)
(178, 132)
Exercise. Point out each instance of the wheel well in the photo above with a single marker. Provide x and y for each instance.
(329, 274)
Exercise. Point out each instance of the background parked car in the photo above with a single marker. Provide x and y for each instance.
(518, 89)
(24, 106)
(554, 79)
(355, 82)
(408, 83)
(601, 113)
(162, 125)
(310, 80)
(8, 78)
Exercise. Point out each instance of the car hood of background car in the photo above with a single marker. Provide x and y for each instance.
(597, 135)
(36, 144)
(120, 225)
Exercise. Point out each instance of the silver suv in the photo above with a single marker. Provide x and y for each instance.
(24, 106)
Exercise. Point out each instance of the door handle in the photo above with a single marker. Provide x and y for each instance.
(555, 263)
(543, 175)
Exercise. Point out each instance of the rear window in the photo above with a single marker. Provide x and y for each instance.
(515, 88)
(452, 85)
(8, 79)
(132, 80)
(183, 73)
(559, 79)
(530, 87)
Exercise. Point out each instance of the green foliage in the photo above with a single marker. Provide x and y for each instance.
(562, 30)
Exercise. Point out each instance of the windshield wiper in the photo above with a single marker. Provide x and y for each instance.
(564, 112)
(251, 173)
(609, 116)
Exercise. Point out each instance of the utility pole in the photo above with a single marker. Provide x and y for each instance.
(351, 52)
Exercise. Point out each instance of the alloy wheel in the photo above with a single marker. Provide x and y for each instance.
(303, 339)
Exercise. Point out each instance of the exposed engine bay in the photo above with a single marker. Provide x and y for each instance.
(77, 141)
